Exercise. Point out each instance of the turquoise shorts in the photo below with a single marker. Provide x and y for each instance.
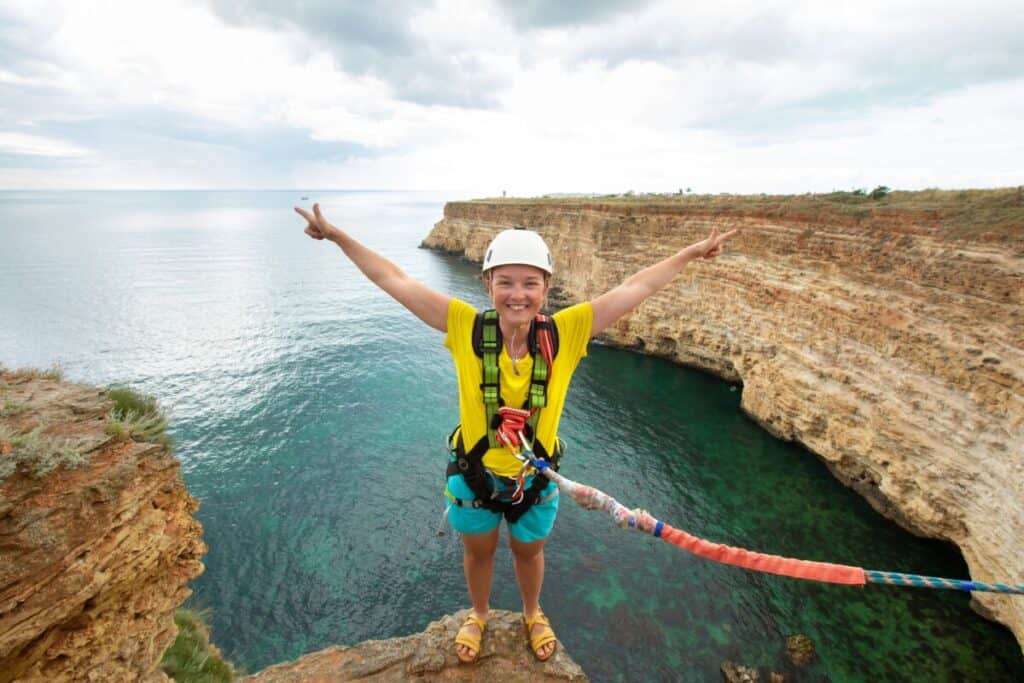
(535, 524)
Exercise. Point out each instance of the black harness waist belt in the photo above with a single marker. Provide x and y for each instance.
(471, 466)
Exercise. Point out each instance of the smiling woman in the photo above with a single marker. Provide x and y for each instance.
(488, 476)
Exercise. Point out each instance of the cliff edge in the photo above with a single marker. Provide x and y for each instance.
(430, 656)
(885, 336)
(97, 536)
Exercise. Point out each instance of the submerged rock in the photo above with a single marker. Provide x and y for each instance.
(738, 673)
(800, 649)
(430, 656)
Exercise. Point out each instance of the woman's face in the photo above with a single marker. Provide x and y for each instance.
(517, 292)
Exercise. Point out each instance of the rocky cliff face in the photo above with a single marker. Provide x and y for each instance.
(889, 341)
(96, 554)
(430, 656)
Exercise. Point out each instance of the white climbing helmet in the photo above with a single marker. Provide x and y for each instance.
(518, 246)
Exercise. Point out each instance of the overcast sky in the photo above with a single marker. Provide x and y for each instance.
(481, 96)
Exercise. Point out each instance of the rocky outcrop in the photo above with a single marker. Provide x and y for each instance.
(889, 341)
(98, 543)
(430, 656)
(97, 538)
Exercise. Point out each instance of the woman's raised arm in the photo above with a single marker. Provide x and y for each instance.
(427, 304)
(617, 302)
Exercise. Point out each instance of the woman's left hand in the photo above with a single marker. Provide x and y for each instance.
(712, 246)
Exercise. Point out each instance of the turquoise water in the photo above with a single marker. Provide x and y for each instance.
(309, 412)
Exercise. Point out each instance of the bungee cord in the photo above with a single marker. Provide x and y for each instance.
(637, 519)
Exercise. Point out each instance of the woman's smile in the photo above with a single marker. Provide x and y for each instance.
(517, 292)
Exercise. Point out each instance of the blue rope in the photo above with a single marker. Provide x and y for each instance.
(900, 579)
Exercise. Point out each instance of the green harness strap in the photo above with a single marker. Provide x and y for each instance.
(491, 386)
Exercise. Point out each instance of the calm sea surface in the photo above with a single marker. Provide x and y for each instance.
(309, 412)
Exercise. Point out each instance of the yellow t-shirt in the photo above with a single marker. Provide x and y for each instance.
(573, 325)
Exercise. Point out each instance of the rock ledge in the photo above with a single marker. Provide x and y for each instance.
(430, 656)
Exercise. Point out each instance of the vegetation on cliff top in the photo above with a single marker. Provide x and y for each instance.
(192, 658)
(24, 374)
(964, 213)
(34, 436)
(136, 416)
(35, 453)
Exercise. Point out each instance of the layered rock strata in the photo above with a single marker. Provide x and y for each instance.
(888, 341)
(430, 656)
(95, 557)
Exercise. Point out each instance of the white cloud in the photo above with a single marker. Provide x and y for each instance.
(24, 144)
(726, 97)
(184, 59)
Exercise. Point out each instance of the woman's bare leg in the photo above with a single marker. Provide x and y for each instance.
(528, 560)
(478, 564)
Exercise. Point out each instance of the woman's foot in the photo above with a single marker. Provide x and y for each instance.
(542, 637)
(467, 640)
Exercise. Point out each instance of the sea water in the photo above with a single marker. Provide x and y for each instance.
(309, 412)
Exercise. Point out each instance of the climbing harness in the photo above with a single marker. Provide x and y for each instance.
(510, 496)
(640, 520)
(542, 342)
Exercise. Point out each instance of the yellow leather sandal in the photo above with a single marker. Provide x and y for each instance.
(472, 641)
(546, 635)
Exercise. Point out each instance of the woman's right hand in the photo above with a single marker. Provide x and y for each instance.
(317, 226)
(426, 304)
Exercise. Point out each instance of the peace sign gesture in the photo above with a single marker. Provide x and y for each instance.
(317, 226)
(712, 246)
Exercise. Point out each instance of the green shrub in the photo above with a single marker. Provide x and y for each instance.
(136, 416)
(116, 428)
(37, 454)
(192, 658)
(880, 192)
(128, 401)
(8, 408)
